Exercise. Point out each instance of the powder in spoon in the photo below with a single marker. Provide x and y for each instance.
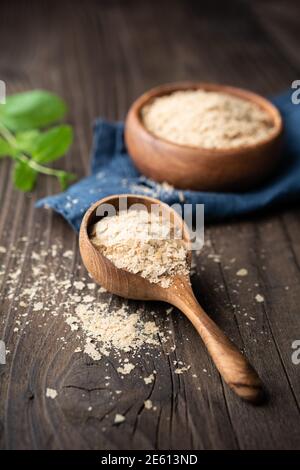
(143, 244)
(207, 119)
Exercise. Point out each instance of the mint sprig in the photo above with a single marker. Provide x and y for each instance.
(23, 120)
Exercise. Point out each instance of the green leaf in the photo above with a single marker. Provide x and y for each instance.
(31, 109)
(21, 120)
(45, 147)
(6, 150)
(25, 139)
(53, 144)
(65, 178)
(24, 176)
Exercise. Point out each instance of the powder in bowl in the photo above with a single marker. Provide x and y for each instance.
(207, 119)
(142, 243)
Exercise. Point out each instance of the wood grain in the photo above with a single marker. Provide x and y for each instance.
(100, 56)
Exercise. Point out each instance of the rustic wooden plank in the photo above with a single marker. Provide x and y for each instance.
(282, 28)
(99, 58)
(263, 343)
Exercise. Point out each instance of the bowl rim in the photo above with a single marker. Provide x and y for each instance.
(168, 88)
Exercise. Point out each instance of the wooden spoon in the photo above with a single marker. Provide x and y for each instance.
(232, 365)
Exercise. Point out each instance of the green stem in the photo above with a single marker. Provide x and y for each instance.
(37, 167)
(7, 135)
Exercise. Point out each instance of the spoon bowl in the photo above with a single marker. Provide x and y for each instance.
(232, 365)
(115, 280)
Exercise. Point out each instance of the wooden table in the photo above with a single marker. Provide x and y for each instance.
(99, 56)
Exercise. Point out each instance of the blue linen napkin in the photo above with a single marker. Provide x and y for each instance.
(112, 172)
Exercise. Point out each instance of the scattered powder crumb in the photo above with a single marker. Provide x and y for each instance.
(68, 254)
(37, 306)
(242, 272)
(149, 379)
(2, 249)
(51, 393)
(119, 419)
(126, 369)
(118, 392)
(142, 243)
(107, 328)
(167, 187)
(91, 350)
(215, 257)
(54, 250)
(148, 404)
(259, 298)
(79, 285)
(88, 298)
(15, 275)
(208, 119)
(181, 196)
(181, 370)
(72, 322)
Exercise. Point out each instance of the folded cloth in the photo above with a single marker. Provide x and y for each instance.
(112, 172)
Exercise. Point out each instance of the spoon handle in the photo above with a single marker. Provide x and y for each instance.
(230, 362)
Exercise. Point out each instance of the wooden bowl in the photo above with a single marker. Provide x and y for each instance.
(188, 167)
